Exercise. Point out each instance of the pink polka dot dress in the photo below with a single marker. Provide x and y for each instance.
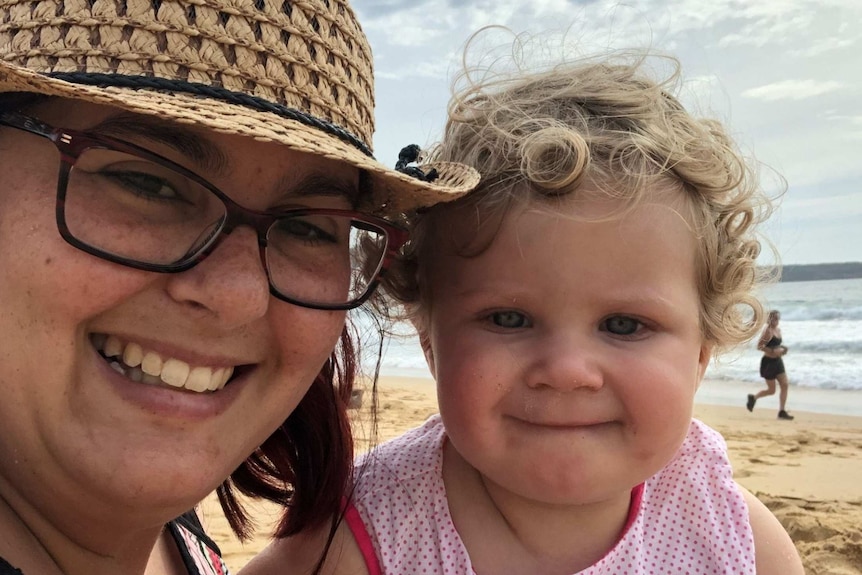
(689, 518)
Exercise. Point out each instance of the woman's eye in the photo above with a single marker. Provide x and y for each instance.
(621, 325)
(509, 319)
(306, 230)
(144, 184)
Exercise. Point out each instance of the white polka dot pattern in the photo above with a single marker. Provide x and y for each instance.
(692, 518)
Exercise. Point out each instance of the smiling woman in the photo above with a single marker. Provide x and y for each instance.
(187, 209)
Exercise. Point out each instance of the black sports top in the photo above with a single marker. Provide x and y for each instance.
(201, 556)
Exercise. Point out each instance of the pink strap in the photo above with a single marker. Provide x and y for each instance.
(363, 539)
(634, 509)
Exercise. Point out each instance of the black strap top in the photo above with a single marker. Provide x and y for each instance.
(200, 553)
(6, 569)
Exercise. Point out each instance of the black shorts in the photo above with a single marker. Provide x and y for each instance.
(771, 367)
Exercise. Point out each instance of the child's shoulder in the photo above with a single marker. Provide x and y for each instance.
(695, 499)
(700, 474)
(703, 441)
(702, 451)
(775, 552)
(409, 460)
(423, 439)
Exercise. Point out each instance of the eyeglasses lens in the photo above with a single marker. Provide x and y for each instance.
(137, 209)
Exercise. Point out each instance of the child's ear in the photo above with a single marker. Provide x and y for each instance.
(703, 361)
(425, 342)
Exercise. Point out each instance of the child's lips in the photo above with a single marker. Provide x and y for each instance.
(566, 423)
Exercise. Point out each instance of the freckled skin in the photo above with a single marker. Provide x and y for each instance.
(101, 460)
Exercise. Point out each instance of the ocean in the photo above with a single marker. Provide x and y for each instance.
(821, 323)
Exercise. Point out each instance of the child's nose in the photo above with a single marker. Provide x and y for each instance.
(566, 365)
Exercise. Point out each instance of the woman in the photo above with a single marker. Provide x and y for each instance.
(187, 209)
(772, 365)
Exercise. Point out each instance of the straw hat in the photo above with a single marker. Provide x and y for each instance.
(296, 72)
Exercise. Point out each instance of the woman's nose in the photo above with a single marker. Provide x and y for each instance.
(231, 283)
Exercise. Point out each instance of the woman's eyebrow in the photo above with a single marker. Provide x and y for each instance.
(208, 157)
(320, 185)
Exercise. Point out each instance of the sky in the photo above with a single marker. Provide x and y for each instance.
(785, 76)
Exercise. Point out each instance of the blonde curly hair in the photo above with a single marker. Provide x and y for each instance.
(537, 136)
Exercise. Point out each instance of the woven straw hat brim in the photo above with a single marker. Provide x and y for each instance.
(393, 192)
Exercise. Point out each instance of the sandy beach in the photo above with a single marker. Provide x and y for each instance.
(807, 471)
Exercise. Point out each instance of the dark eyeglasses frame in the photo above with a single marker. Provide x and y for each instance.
(72, 143)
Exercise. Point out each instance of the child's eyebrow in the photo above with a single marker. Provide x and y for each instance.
(494, 289)
(643, 296)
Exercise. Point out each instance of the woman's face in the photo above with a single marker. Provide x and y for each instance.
(81, 441)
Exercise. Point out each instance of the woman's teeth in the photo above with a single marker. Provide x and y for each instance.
(144, 366)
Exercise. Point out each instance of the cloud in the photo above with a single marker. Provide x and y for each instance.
(805, 28)
(834, 116)
(825, 45)
(767, 27)
(407, 28)
(824, 207)
(436, 69)
(374, 9)
(791, 90)
(850, 126)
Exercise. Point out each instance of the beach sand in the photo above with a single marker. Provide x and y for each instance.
(807, 471)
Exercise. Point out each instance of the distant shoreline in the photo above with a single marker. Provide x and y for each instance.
(821, 272)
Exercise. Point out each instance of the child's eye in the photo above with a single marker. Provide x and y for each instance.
(509, 319)
(621, 325)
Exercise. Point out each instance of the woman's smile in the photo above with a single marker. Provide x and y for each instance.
(147, 366)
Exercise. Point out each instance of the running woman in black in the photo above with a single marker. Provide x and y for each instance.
(772, 365)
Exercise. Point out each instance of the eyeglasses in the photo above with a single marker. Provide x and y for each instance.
(127, 205)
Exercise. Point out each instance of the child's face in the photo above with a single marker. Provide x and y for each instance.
(567, 354)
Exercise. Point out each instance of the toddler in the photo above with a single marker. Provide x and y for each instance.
(568, 309)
